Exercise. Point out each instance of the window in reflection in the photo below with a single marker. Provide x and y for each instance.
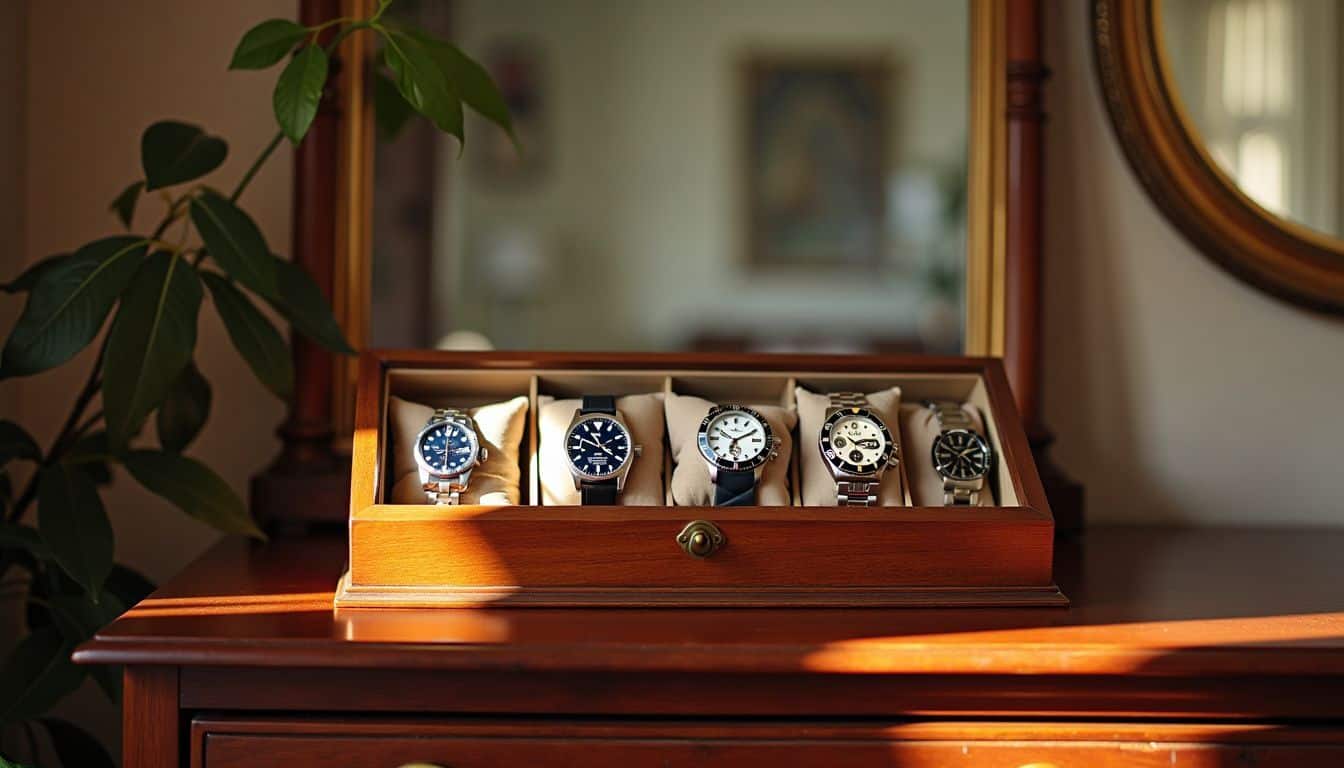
(1261, 82)
(762, 174)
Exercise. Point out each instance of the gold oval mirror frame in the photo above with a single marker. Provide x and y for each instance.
(1287, 259)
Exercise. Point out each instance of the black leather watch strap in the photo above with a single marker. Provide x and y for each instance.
(598, 492)
(598, 404)
(735, 488)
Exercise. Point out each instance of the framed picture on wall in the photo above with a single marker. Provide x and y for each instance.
(815, 155)
(519, 69)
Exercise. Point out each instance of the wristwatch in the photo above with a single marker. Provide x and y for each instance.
(960, 454)
(600, 450)
(857, 447)
(447, 450)
(736, 442)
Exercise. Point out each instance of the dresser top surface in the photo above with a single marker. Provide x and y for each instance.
(1178, 602)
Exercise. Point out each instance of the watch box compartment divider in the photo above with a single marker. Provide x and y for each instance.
(532, 555)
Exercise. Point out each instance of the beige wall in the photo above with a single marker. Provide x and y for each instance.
(1179, 394)
(97, 74)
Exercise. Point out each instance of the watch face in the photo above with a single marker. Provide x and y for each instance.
(447, 448)
(735, 437)
(598, 447)
(961, 454)
(856, 441)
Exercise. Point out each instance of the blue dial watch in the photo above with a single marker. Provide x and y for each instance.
(600, 450)
(446, 451)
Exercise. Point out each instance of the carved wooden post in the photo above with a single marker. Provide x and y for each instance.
(1025, 141)
(308, 480)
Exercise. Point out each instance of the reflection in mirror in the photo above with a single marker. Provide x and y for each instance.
(1260, 81)
(762, 174)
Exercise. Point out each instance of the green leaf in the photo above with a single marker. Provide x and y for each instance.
(7, 763)
(303, 305)
(422, 82)
(92, 453)
(78, 618)
(472, 81)
(260, 344)
(16, 443)
(151, 341)
(29, 277)
(184, 412)
(129, 586)
(173, 152)
(193, 488)
(298, 91)
(37, 674)
(74, 525)
(234, 240)
(124, 205)
(68, 304)
(267, 43)
(16, 536)
(75, 747)
(390, 108)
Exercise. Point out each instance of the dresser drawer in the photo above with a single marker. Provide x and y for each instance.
(381, 743)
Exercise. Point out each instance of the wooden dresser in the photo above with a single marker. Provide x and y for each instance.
(1207, 648)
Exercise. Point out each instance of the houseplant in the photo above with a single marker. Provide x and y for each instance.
(54, 528)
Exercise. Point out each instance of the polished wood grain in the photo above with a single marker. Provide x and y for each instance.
(1210, 647)
(420, 555)
(1156, 601)
(150, 726)
(375, 743)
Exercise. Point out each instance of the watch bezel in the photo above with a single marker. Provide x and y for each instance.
(849, 467)
(614, 473)
(472, 437)
(979, 438)
(702, 440)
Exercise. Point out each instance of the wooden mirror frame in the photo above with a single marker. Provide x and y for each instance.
(1284, 258)
(333, 175)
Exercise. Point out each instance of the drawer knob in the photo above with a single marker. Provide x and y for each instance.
(700, 539)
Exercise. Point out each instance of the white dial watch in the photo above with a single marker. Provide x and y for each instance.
(857, 448)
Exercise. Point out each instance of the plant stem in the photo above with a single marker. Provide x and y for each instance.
(65, 438)
(256, 166)
(280, 135)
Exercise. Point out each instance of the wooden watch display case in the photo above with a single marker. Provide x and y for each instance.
(534, 555)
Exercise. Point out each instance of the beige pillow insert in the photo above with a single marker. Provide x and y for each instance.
(920, 428)
(817, 480)
(643, 414)
(691, 485)
(500, 427)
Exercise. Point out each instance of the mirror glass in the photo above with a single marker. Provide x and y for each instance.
(780, 175)
(1262, 82)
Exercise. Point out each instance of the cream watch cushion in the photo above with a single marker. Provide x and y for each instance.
(643, 414)
(500, 427)
(691, 486)
(920, 429)
(817, 481)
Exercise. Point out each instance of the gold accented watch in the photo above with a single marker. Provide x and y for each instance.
(961, 455)
(857, 448)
